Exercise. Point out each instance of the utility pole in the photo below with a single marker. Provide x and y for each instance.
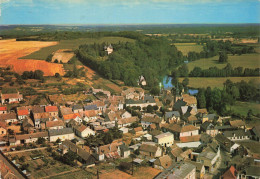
(97, 174)
(132, 166)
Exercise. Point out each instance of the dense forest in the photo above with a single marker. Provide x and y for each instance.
(151, 57)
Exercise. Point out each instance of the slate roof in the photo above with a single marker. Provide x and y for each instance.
(55, 132)
(76, 107)
(91, 107)
(171, 114)
(182, 172)
(237, 133)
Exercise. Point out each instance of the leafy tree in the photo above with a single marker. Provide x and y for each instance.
(223, 57)
(56, 61)
(183, 70)
(155, 91)
(201, 98)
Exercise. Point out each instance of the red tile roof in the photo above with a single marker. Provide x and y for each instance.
(90, 113)
(70, 116)
(138, 129)
(22, 112)
(3, 108)
(51, 109)
(54, 123)
(194, 138)
(230, 173)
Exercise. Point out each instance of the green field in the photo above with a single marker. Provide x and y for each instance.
(43, 53)
(185, 48)
(245, 61)
(204, 82)
(243, 107)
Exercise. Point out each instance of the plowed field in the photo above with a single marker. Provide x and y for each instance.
(12, 50)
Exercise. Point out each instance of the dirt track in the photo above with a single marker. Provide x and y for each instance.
(12, 50)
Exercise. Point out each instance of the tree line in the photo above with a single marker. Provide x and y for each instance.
(227, 71)
(217, 100)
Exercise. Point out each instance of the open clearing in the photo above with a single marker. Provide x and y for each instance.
(204, 82)
(63, 55)
(73, 44)
(185, 48)
(12, 50)
(243, 107)
(245, 61)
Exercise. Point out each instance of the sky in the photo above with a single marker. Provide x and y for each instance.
(128, 11)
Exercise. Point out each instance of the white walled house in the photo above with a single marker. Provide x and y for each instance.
(239, 134)
(83, 131)
(62, 134)
(164, 139)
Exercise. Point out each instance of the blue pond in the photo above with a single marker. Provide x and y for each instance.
(168, 85)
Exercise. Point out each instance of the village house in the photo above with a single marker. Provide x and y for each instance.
(10, 98)
(39, 118)
(8, 118)
(164, 139)
(127, 121)
(83, 156)
(226, 144)
(90, 115)
(182, 131)
(83, 131)
(22, 113)
(184, 171)
(209, 129)
(256, 132)
(209, 156)
(109, 151)
(3, 128)
(62, 134)
(150, 150)
(65, 110)
(59, 124)
(6, 172)
(238, 124)
(77, 108)
(28, 125)
(3, 110)
(30, 138)
(240, 134)
(190, 100)
(108, 49)
(100, 105)
(91, 107)
(124, 151)
(97, 91)
(52, 110)
(141, 81)
(146, 121)
(163, 162)
(143, 103)
(172, 117)
(200, 169)
(133, 93)
(175, 153)
(231, 173)
(76, 117)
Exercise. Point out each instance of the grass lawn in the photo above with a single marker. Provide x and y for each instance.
(43, 53)
(245, 61)
(243, 107)
(185, 48)
(203, 82)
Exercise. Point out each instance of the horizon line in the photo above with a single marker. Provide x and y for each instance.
(118, 24)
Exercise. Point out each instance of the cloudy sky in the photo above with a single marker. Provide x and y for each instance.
(128, 11)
